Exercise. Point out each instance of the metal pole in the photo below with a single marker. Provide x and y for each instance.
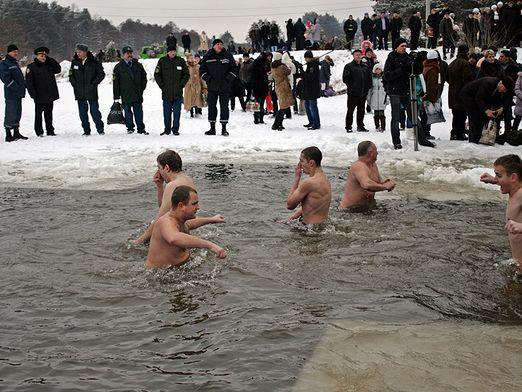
(414, 110)
(428, 10)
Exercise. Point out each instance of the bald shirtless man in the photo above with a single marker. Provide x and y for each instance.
(315, 193)
(168, 177)
(508, 174)
(171, 239)
(364, 180)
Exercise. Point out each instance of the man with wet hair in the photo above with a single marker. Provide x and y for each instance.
(508, 175)
(364, 180)
(314, 194)
(168, 177)
(171, 239)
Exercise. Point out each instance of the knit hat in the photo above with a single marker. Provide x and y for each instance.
(277, 56)
(400, 41)
(41, 49)
(82, 47)
(377, 66)
(432, 55)
(126, 49)
(308, 54)
(11, 47)
(216, 41)
(476, 10)
(171, 48)
(463, 49)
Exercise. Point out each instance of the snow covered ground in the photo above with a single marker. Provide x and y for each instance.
(118, 160)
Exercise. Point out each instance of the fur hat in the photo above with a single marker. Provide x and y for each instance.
(277, 56)
(377, 66)
(433, 55)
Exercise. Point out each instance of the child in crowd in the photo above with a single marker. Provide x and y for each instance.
(378, 99)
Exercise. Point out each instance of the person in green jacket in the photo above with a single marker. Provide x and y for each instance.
(129, 80)
(171, 74)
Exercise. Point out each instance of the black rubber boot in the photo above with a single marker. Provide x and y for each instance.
(8, 136)
(224, 129)
(212, 130)
(17, 135)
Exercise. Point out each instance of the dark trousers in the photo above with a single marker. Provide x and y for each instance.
(47, 110)
(432, 42)
(359, 103)
(312, 112)
(477, 120)
(414, 40)
(366, 36)
(395, 36)
(396, 102)
(379, 120)
(13, 113)
(84, 106)
(212, 100)
(299, 42)
(448, 46)
(349, 42)
(507, 112)
(404, 120)
(241, 102)
(383, 40)
(134, 109)
(186, 48)
(458, 123)
(171, 108)
(248, 88)
(516, 123)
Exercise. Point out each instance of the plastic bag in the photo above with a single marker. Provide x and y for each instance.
(116, 114)
(434, 112)
(489, 133)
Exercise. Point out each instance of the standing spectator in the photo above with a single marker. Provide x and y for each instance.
(510, 69)
(237, 89)
(326, 72)
(245, 74)
(297, 86)
(375, 33)
(299, 29)
(290, 34)
(415, 26)
(383, 28)
(274, 36)
(172, 75)
(260, 85)
(378, 99)
(366, 27)
(482, 99)
(203, 43)
(489, 65)
(253, 38)
(194, 89)
(432, 28)
(471, 28)
(185, 40)
(171, 40)
(316, 33)
(129, 80)
(287, 60)
(41, 85)
(265, 35)
(350, 28)
(218, 69)
(14, 91)
(431, 73)
(85, 75)
(100, 57)
(358, 79)
(446, 31)
(311, 90)
(395, 26)
(397, 71)
(459, 74)
(285, 98)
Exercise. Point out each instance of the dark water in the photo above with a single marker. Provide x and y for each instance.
(79, 312)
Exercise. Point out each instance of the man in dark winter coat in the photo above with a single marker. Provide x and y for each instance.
(433, 22)
(41, 85)
(14, 90)
(129, 80)
(482, 99)
(459, 74)
(218, 69)
(510, 68)
(172, 75)
(397, 71)
(299, 29)
(85, 75)
(171, 40)
(446, 31)
(415, 26)
(185, 40)
(350, 28)
(265, 35)
(358, 79)
(245, 74)
(382, 26)
(395, 26)
(311, 90)
(260, 84)
(290, 34)
(367, 27)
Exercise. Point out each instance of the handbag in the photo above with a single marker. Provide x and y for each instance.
(434, 112)
(489, 133)
(116, 114)
(204, 99)
(253, 106)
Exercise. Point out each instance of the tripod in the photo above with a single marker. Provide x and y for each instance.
(414, 109)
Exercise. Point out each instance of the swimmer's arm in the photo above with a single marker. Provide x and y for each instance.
(159, 195)
(186, 241)
(364, 180)
(487, 178)
(163, 209)
(297, 194)
(296, 215)
(198, 222)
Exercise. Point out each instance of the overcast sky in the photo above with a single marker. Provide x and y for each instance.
(214, 16)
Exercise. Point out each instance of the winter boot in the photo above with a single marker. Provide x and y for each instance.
(191, 112)
(278, 123)
(377, 123)
(224, 129)
(261, 115)
(212, 130)
(8, 137)
(17, 135)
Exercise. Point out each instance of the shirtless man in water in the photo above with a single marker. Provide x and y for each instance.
(171, 239)
(315, 193)
(364, 179)
(508, 174)
(168, 177)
